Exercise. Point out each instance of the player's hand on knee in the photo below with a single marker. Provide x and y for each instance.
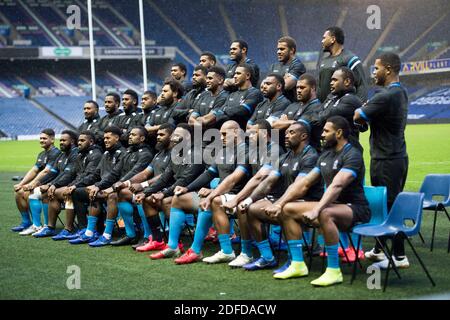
(93, 190)
(108, 191)
(17, 187)
(180, 190)
(68, 191)
(229, 205)
(136, 187)
(310, 216)
(28, 187)
(273, 210)
(118, 186)
(156, 197)
(244, 205)
(44, 188)
(205, 204)
(51, 192)
(140, 198)
(204, 192)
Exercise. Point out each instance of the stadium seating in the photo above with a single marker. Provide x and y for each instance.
(20, 117)
(202, 22)
(68, 108)
(435, 104)
(204, 34)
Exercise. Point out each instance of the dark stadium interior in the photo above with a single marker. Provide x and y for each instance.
(416, 30)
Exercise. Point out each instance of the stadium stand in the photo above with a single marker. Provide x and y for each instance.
(433, 105)
(21, 26)
(68, 108)
(203, 34)
(24, 118)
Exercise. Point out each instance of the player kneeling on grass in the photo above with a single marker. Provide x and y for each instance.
(58, 177)
(87, 160)
(343, 204)
(157, 197)
(128, 189)
(44, 163)
(231, 166)
(294, 165)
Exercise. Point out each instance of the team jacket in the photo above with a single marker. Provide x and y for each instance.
(176, 174)
(135, 159)
(85, 165)
(109, 160)
(104, 122)
(61, 172)
(343, 104)
(90, 124)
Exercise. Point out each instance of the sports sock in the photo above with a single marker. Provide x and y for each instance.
(154, 223)
(147, 230)
(25, 217)
(36, 207)
(126, 211)
(204, 222)
(246, 247)
(109, 228)
(45, 210)
(231, 227)
(332, 256)
(265, 250)
(164, 221)
(344, 239)
(92, 223)
(308, 237)
(225, 243)
(176, 222)
(296, 250)
(190, 219)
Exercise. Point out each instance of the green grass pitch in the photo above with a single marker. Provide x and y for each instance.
(37, 268)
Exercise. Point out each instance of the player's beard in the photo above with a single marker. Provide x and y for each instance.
(167, 102)
(198, 85)
(238, 57)
(380, 80)
(330, 144)
(160, 146)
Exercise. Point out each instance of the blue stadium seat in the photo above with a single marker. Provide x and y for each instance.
(20, 117)
(436, 185)
(68, 108)
(407, 207)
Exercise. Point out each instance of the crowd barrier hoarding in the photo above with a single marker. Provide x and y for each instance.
(153, 52)
(426, 66)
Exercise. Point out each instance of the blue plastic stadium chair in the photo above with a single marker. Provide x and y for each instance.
(377, 198)
(436, 185)
(407, 207)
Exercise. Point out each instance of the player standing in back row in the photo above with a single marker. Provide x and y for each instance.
(333, 43)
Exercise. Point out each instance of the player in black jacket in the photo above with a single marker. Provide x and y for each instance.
(136, 158)
(87, 159)
(80, 196)
(44, 163)
(58, 174)
(91, 116)
(182, 170)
